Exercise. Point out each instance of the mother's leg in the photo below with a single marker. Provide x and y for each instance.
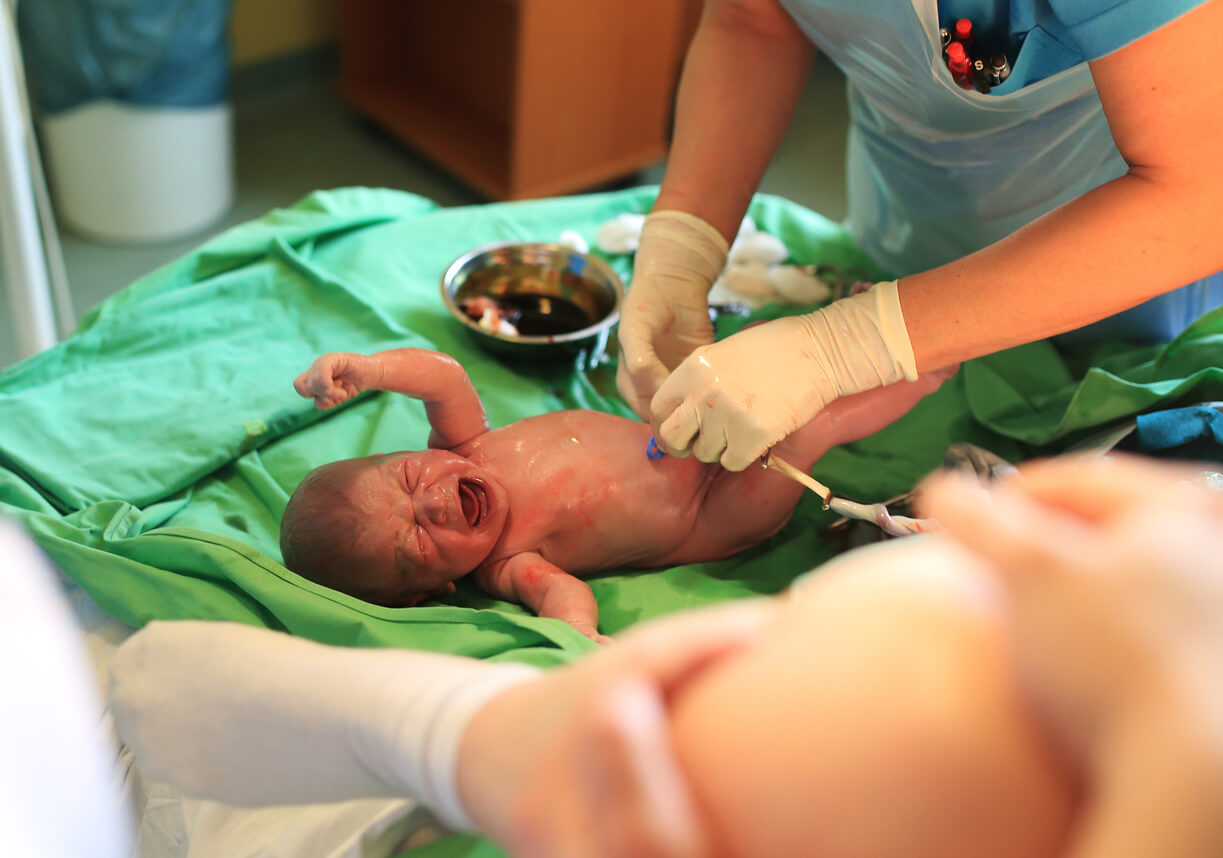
(881, 718)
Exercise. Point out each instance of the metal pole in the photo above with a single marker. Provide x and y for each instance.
(25, 266)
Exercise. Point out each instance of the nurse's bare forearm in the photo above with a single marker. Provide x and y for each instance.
(742, 77)
(452, 405)
(1119, 245)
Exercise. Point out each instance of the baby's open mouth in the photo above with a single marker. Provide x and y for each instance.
(474, 500)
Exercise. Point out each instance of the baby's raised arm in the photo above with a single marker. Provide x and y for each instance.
(452, 405)
(546, 589)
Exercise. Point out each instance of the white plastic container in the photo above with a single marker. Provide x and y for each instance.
(124, 173)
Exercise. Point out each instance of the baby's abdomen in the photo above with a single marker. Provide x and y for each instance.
(639, 524)
(635, 514)
(584, 479)
(738, 510)
(646, 512)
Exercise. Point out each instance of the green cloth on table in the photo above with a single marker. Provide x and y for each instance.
(151, 455)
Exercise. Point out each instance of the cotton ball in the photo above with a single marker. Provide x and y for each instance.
(746, 227)
(797, 286)
(758, 247)
(750, 280)
(495, 323)
(720, 293)
(571, 240)
(621, 234)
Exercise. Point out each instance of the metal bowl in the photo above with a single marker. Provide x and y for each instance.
(568, 301)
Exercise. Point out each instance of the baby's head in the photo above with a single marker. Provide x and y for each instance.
(393, 529)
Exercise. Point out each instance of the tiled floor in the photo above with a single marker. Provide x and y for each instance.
(293, 136)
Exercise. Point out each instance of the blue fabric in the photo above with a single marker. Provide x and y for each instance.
(1177, 427)
(1044, 37)
(152, 53)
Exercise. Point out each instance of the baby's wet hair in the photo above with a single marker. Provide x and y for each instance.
(321, 527)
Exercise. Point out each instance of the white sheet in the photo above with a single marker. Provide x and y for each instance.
(56, 793)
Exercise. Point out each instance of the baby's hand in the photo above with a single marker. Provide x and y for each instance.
(337, 377)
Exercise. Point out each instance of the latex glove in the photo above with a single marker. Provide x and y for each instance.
(1115, 571)
(733, 400)
(255, 717)
(580, 764)
(666, 312)
(337, 377)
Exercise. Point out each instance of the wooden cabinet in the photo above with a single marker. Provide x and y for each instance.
(519, 98)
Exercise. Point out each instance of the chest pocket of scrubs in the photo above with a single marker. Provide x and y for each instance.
(934, 171)
(1039, 53)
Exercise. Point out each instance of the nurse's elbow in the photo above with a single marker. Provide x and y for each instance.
(756, 17)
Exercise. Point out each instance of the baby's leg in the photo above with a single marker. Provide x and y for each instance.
(744, 508)
(880, 715)
(852, 418)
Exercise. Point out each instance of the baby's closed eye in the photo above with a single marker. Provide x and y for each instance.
(414, 545)
(411, 475)
(424, 544)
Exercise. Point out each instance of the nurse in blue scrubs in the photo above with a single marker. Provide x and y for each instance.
(1081, 195)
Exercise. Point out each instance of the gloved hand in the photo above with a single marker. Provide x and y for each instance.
(254, 717)
(543, 762)
(733, 400)
(665, 314)
(581, 762)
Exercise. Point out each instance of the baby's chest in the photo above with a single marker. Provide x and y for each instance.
(607, 518)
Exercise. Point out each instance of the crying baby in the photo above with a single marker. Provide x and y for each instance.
(532, 508)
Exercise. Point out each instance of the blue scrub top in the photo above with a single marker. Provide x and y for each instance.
(1057, 34)
(935, 172)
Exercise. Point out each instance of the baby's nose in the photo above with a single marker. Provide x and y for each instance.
(436, 505)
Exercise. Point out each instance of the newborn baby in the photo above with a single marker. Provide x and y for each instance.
(535, 506)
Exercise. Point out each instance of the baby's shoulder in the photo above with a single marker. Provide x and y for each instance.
(572, 417)
(554, 427)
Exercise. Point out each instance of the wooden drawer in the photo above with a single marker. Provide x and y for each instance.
(519, 98)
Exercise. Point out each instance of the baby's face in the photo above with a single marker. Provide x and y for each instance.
(432, 516)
